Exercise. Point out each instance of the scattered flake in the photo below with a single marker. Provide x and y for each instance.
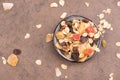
(118, 55)
(12, 60)
(111, 29)
(27, 35)
(39, 26)
(49, 37)
(97, 49)
(58, 72)
(53, 4)
(84, 34)
(111, 76)
(64, 14)
(63, 66)
(66, 77)
(38, 62)
(104, 43)
(4, 60)
(101, 16)
(17, 51)
(87, 4)
(118, 3)
(107, 11)
(117, 44)
(62, 2)
(7, 6)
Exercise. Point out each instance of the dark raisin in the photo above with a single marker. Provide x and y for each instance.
(63, 44)
(94, 42)
(85, 20)
(75, 56)
(83, 39)
(69, 23)
(17, 51)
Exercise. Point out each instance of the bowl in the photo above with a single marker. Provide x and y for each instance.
(56, 40)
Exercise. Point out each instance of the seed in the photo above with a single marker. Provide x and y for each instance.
(58, 72)
(63, 66)
(53, 4)
(63, 15)
(117, 44)
(61, 2)
(7, 6)
(104, 43)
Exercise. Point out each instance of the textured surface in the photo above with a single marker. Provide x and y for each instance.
(25, 14)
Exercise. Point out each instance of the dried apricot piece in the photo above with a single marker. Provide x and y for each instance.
(12, 60)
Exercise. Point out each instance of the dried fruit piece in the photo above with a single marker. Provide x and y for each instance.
(75, 56)
(87, 4)
(61, 2)
(12, 60)
(76, 36)
(117, 44)
(58, 72)
(60, 35)
(63, 15)
(104, 43)
(63, 66)
(27, 35)
(38, 26)
(53, 4)
(17, 51)
(88, 52)
(118, 55)
(118, 3)
(7, 6)
(38, 62)
(49, 37)
(83, 59)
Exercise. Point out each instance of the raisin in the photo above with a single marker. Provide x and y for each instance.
(17, 51)
(83, 39)
(63, 44)
(69, 23)
(85, 20)
(75, 56)
(94, 42)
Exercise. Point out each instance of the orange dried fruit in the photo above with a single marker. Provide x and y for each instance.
(12, 60)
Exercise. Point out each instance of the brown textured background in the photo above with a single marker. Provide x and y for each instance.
(25, 14)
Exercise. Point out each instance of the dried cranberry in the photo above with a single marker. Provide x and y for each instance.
(83, 39)
(17, 51)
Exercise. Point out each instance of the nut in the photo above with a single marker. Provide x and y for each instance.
(49, 37)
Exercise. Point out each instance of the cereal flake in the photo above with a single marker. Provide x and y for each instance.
(4, 60)
(27, 35)
(49, 37)
(117, 44)
(63, 66)
(58, 72)
(118, 3)
(8, 6)
(118, 55)
(38, 26)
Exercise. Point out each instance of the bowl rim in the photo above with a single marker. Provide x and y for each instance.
(54, 39)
